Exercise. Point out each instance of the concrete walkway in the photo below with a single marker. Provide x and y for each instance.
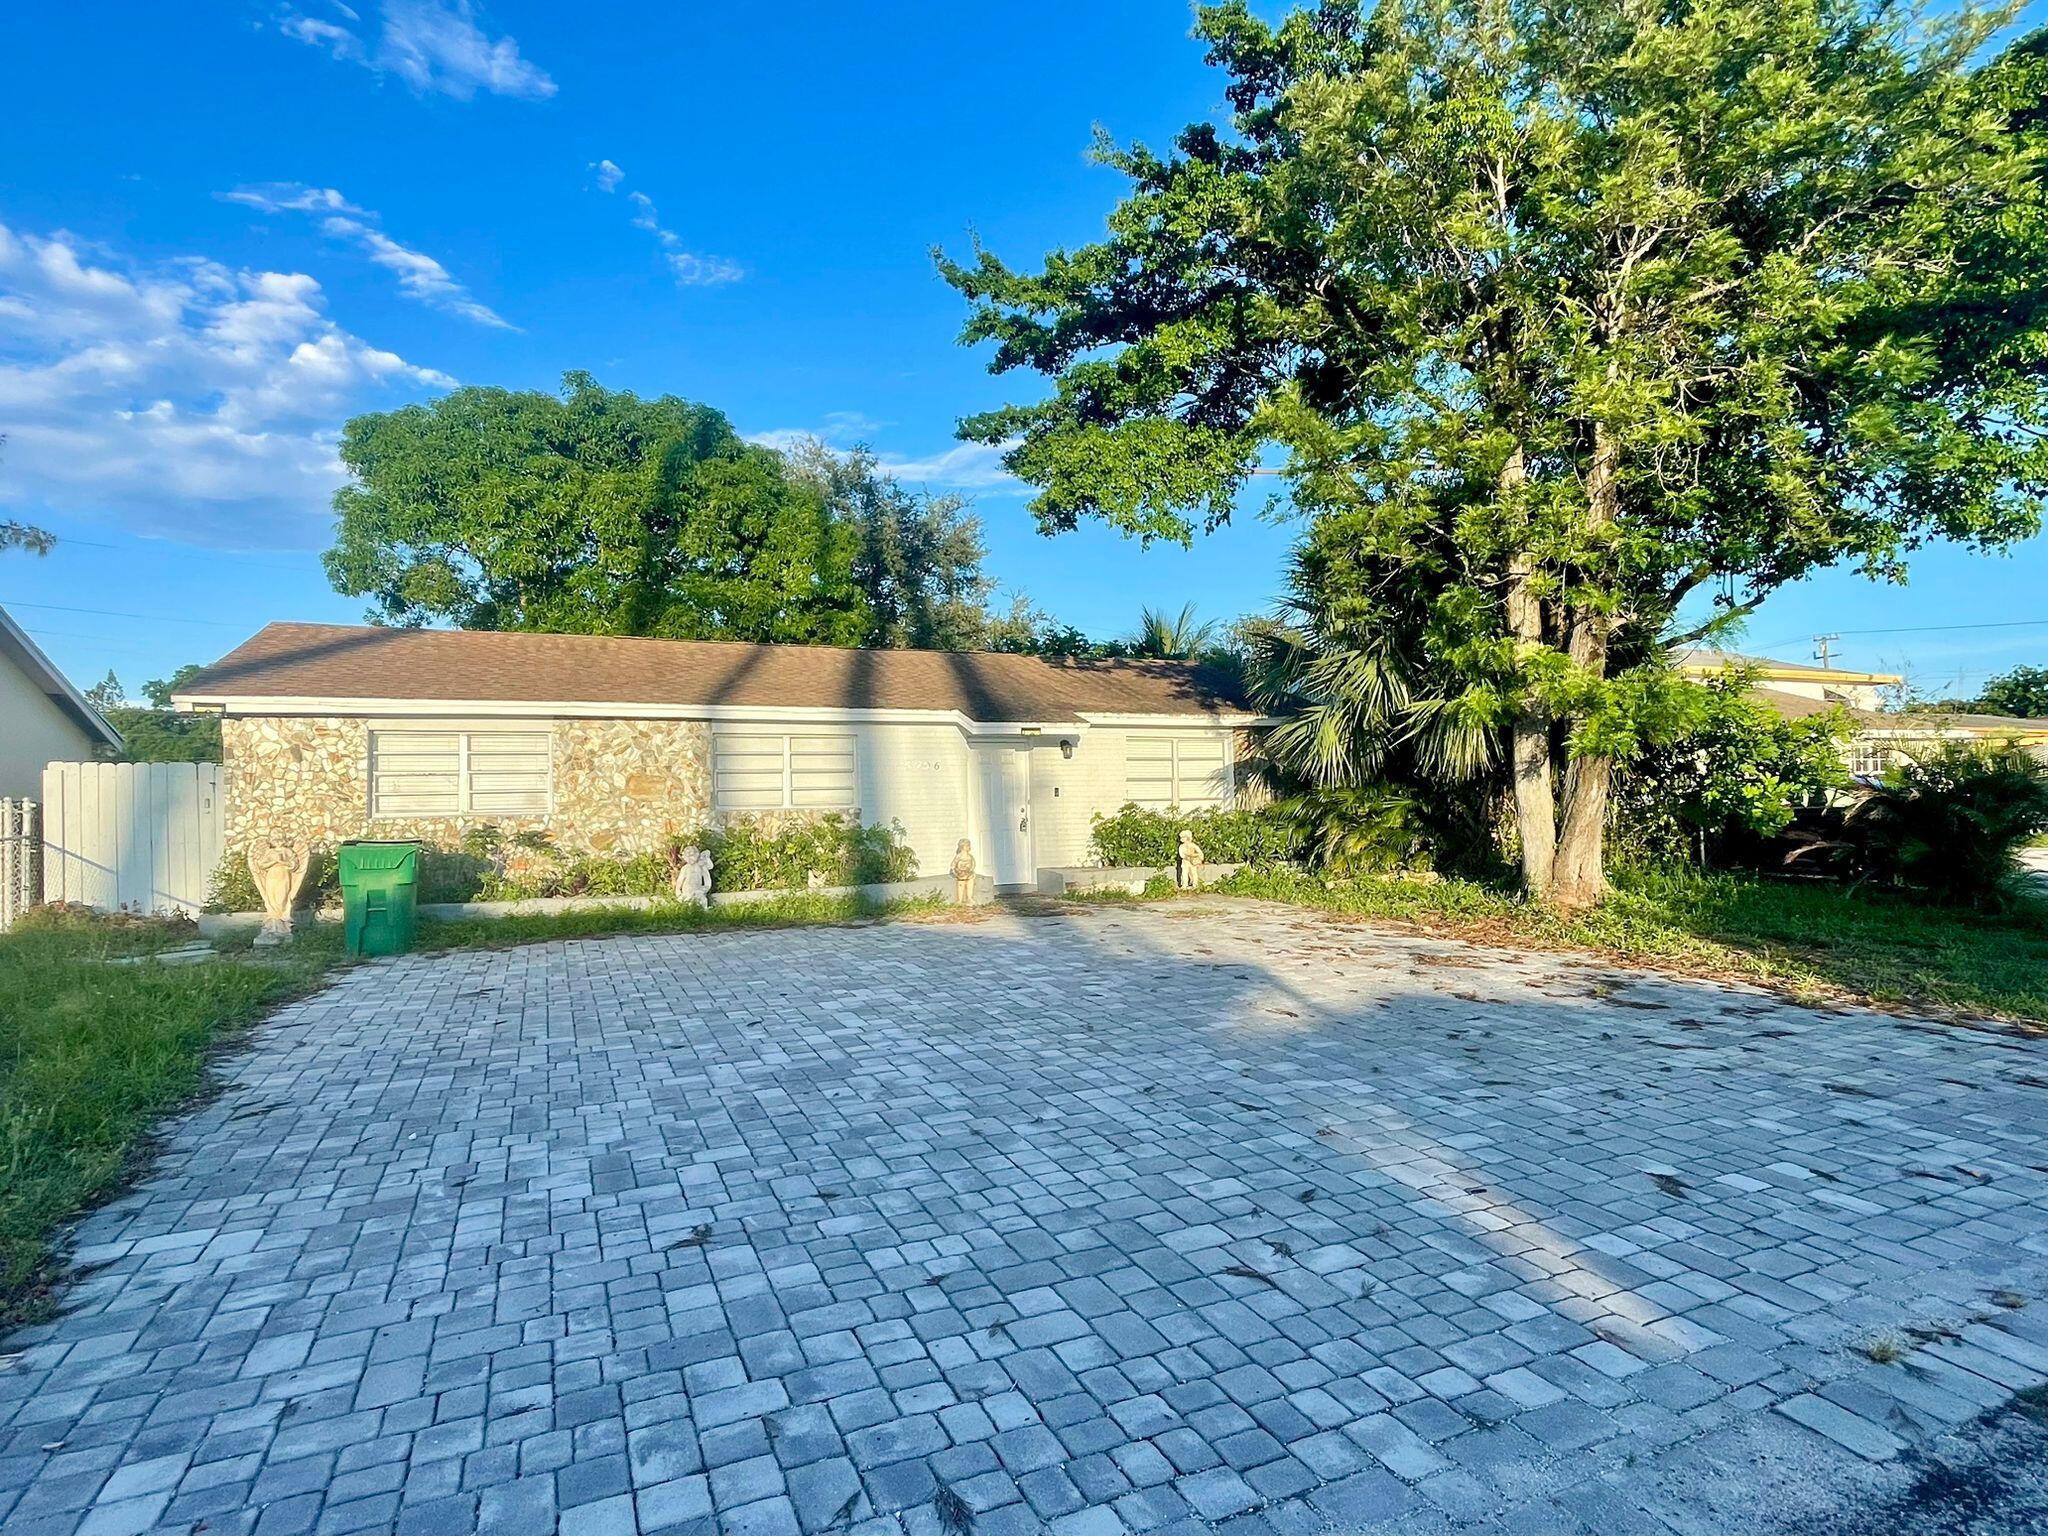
(1170, 1218)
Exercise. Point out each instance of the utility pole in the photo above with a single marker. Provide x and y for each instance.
(1824, 649)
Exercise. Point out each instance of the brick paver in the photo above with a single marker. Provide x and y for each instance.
(1128, 1220)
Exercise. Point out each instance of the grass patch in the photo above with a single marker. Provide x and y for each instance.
(798, 909)
(93, 1054)
(1814, 940)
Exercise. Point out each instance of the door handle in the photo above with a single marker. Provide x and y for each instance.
(1024, 821)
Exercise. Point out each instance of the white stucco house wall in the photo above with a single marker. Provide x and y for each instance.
(43, 718)
(616, 745)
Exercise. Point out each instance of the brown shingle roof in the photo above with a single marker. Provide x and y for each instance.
(336, 661)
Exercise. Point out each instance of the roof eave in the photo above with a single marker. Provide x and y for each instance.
(28, 656)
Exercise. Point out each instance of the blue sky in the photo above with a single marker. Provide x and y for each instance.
(226, 228)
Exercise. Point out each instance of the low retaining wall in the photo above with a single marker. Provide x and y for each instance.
(1129, 878)
(212, 924)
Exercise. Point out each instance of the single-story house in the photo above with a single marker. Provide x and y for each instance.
(1881, 736)
(615, 745)
(45, 719)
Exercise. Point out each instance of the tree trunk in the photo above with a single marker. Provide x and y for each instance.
(1581, 874)
(1579, 878)
(1529, 734)
(1530, 730)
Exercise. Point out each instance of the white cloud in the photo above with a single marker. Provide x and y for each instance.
(964, 467)
(189, 399)
(420, 276)
(290, 197)
(432, 45)
(691, 269)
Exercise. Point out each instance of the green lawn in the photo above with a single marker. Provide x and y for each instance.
(92, 1054)
(1811, 939)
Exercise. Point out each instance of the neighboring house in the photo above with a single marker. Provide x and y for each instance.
(43, 719)
(1881, 736)
(1793, 688)
(615, 745)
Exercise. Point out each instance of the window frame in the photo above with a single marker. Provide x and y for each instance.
(786, 798)
(464, 808)
(1175, 741)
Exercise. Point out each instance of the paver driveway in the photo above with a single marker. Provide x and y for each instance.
(1125, 1219)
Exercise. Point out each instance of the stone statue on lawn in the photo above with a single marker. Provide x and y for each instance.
(1187, 862)
(963, 873)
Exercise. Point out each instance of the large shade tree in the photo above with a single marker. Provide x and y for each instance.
(917, 556)
(1551, 315)
(593, 512)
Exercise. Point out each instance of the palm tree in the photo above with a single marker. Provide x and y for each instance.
(1172, 637)
(1368, 720)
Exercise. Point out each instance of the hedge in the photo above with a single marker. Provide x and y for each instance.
(1137, 837)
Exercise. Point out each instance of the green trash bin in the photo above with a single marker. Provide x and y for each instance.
(379, 896)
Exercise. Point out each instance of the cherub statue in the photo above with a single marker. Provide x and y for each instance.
(279, 869)
(963, 873)
(1187, 862)
(693, 877)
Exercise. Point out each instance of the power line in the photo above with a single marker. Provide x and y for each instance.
(1924, 629)
(118, 613)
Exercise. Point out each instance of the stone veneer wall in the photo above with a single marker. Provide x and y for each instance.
(621, 786)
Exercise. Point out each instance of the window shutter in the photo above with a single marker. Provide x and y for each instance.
(747, 772)
(509, 773)
(415, 773)
(1148, 771)
(1185, 771)
(821, 772)
(1199, 771)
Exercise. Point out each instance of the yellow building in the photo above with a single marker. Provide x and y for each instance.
(1883, 736)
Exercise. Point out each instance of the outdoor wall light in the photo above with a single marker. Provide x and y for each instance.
(1066, 746)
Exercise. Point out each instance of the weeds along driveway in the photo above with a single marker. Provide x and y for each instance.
(1129, 1219)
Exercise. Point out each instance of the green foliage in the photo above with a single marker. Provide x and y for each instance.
(1811, 938)
(25, 536)
(91, 1054)
(1358, 829)
(1551, 316)
(917, 558)
(106, 694)
(1949, 824)
(1174, 636)
(487, 865)
(1137, 837)
(593, 513)
(158, 690)
(164, 736)
(1732, 771)
(755, 855)
(1023, 630)
(2022, 692)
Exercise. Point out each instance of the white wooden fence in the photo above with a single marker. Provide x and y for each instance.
(141, 836)
(21, 882)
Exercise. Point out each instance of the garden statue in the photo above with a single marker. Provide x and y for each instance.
(963, 874)
(815, 880)
(693, 877)
(278, 869)
(1187, 862)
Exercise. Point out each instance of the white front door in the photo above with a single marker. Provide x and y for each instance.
(1006, 812)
